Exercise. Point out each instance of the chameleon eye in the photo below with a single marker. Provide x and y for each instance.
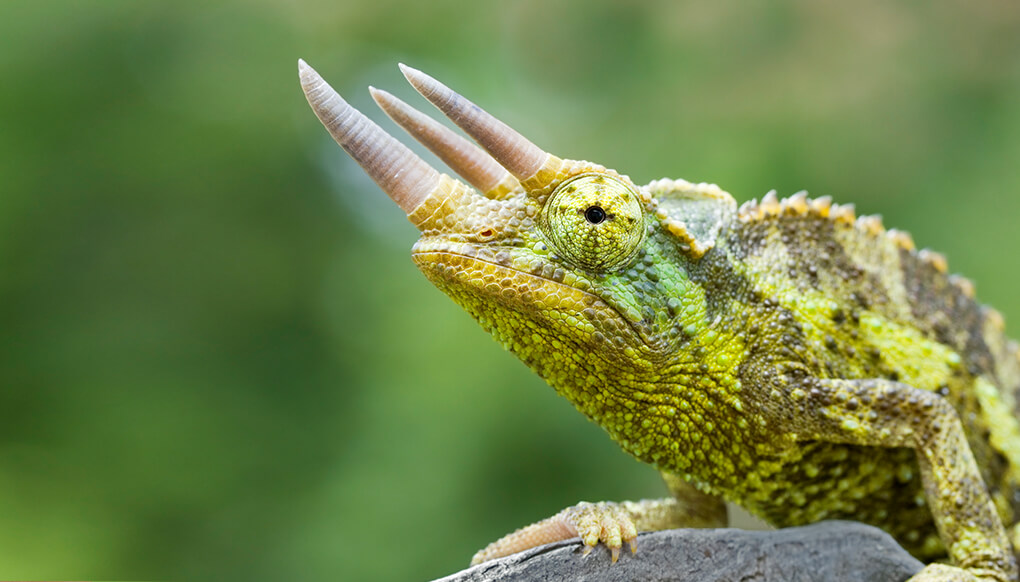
(595, 214)
(594, 222)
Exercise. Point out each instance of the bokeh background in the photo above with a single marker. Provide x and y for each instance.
(217, 360)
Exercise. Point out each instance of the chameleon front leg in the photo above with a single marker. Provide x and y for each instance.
(614, 523)
(880, 412)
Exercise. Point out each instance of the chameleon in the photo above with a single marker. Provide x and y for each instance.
(784, 355)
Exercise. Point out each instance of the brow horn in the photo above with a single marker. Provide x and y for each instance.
(405, 177)
(513, 151)
(462, 156)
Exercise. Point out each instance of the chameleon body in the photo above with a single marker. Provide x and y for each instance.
(787, 356)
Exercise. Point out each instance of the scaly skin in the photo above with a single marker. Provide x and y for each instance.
(785, 356)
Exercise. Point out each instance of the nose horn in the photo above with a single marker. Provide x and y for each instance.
(512, 150)
(405, 177)
(468, 160)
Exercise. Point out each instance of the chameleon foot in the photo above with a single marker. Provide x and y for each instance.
(606, 522)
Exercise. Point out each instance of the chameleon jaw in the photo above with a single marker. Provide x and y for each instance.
(511, 287)
(478, 280)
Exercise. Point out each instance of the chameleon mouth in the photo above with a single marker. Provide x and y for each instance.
(504, 282)
(520, 291)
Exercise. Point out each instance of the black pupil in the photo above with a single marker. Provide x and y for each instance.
(595, 214)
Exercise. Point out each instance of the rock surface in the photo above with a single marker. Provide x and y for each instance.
(834, 551)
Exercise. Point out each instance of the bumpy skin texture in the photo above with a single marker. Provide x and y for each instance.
(785, 355)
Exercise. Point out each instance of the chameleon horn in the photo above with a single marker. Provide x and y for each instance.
(519, 156)
(405, 177)
(462, 156)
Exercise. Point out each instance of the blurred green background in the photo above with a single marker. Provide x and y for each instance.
(217, 360)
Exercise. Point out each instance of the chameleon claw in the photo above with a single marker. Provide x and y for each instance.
(616, 554)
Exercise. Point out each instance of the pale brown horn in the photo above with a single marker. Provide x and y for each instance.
(519, 156)
(405, 177)
(462, 156)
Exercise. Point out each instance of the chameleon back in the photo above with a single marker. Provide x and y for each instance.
(895, 314)
(784, 355)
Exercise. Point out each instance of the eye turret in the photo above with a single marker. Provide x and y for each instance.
(594, 221)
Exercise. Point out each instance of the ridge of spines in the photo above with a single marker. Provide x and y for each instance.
(796, 205)
(965, 286)
(901, 239)
(799, 204)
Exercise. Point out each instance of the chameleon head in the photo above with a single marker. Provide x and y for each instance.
(558, 259)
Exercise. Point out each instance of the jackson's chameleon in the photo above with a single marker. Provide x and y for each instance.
(785, 355)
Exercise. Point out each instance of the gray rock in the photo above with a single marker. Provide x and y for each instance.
(834, 551)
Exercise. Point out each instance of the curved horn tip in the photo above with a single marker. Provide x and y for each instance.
(388, 102)
(409, 72)
(417, 78)
(308, 75)
(384, 99)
